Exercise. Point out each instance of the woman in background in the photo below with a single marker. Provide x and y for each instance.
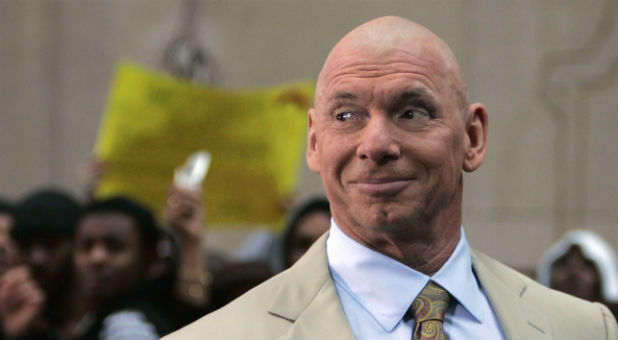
(584, 265)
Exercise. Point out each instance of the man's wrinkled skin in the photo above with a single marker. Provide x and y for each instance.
(390, 134)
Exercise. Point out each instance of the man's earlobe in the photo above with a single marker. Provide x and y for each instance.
(312, 154)
(476, 133)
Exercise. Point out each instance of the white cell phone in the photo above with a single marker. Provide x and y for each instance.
(192, 173)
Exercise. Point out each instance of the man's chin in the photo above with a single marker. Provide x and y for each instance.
(392, 228)
(391, 216)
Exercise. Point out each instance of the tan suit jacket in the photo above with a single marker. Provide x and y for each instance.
(302, 303)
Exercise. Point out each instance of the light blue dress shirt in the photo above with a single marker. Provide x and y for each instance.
(376, 291)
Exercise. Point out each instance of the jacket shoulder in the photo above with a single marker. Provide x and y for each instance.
(568, 316)
(246, 317)
(300, 295)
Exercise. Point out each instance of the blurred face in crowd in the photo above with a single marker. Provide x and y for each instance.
(109, 257)
(388, 131)
(8, 250)
(308, 229)
(49, 259)
(574, 274)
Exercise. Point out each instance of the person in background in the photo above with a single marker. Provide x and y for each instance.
(115, 250)
(8, 248)
(195, 289)
(90, 172)
(34, 297)
(234, 279)
(583, 264)
(306, 223)
(187, 275)
(44, 232)
(391, 133)
(181, 277)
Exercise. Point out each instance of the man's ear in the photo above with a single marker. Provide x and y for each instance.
(476, 134)
(312, 154)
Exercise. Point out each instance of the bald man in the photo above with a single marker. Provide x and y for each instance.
(391, 134)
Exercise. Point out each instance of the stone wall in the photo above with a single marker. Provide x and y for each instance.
(546, 70)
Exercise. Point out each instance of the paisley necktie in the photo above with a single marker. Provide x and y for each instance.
(428, 310)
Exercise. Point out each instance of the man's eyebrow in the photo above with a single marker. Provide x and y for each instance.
(418, 93)
(343, 95)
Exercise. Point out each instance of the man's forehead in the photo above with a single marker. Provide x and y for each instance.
(391, 45)
(390, 95)
(387, 84)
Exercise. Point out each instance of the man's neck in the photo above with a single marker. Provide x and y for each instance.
(424, 249)
(428, 258)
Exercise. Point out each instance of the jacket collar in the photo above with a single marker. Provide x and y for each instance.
(505, 291)
(308, 296)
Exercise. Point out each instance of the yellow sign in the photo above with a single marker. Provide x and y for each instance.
(153, 122)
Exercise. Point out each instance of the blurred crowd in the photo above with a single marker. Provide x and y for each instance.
(105, 269)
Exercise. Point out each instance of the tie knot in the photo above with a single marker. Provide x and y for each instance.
(430, 304)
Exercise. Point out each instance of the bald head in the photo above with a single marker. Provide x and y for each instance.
(391, 134)
(390, 37)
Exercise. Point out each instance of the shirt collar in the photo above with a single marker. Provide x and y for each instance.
(386, 288)
(457, 277)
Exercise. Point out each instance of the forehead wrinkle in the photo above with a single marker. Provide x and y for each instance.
(415, 86)
(344, 95)
(340, 98)
(381, 37)
(399, 62)
(405, 94)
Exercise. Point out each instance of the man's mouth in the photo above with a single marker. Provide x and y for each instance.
(381, 186)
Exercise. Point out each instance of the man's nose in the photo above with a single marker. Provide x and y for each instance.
(379, 143)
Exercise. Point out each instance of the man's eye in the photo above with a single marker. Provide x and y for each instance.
(415, 114)
(343, 116)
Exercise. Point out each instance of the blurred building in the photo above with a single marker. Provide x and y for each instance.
(546, 70)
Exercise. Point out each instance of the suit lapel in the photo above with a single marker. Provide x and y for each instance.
(309, 300)
(505, 291)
